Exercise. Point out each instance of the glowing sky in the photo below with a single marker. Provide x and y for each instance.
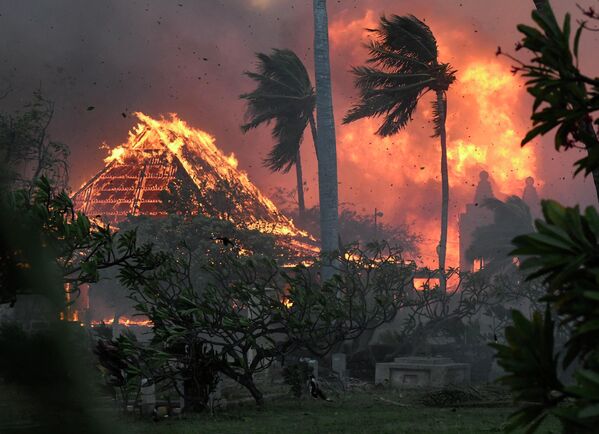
(188, 57)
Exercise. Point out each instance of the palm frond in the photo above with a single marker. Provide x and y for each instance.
(288, 133)
(391, 95)
(405, 57)
(409, 36)
(367, 78)
(283, 95)
(385, 57)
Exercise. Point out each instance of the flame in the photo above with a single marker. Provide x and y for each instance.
(124, 321)
(207, 166)
(287, 302)
(423, 283)
(232, 160)
(116, 154)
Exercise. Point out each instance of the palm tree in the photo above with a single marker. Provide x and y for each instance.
(406, 67)
(493, 242)
(326, 144)
(284, 94)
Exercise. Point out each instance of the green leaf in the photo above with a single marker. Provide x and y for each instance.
(577, 39)
(590, 411)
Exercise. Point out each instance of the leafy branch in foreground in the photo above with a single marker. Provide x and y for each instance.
(564, 252)
(249, 311)
(42, 234)
(564, 97)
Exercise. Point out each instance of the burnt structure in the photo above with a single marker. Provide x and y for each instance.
(166, 156)
(476, 215)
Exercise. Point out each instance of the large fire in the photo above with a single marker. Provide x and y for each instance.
(183, 140)
(484, 129)
(160, 151)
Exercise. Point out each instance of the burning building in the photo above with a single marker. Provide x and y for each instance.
(167, 166)
(165, 159)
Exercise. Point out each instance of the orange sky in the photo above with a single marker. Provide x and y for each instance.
(188, 57)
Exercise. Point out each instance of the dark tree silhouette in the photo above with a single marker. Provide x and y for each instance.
(284, 94)
(406, 67)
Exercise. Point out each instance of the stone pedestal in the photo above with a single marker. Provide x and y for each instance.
(422, 372)
(339, 364)
(313, 364)
(148, 399)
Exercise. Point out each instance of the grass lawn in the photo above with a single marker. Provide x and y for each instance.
(355, 413)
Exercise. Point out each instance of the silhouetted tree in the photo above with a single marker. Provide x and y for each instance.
(284, 95)
(27, 151)
(406, 68)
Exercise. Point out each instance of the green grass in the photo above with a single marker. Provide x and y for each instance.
(358, 413)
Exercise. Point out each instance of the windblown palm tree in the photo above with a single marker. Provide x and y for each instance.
(326, 143)
(284, 95)
(493, 242)
(406, 67)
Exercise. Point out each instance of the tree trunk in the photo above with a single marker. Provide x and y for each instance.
(327, 153)
(442, 103)
(300, 185)
(193, 396)
(314, 134)
(249, 384)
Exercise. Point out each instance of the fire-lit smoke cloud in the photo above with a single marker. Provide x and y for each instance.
(188, 57)
(484, 128)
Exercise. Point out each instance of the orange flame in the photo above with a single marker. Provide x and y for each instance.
(401, 174)
(124, 321)
(196, 150)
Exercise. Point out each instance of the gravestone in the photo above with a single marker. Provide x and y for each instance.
(313, 364)
(339, 364)
(413, 372)
(148, 398)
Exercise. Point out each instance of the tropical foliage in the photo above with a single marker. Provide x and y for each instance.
(285, 96)
(564, 97)
(563, 253)
(42, 234)
(251, 311)
(27, 152)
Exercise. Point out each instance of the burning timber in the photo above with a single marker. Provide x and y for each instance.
(168, 155)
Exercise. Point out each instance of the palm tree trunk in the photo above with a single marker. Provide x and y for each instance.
(325, 139)
(300, 185)
(314, 134)
(442, 104)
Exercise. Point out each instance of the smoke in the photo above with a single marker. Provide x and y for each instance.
(188, 57)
